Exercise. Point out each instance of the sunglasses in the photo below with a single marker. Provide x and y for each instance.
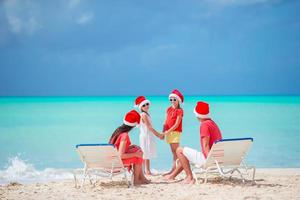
(146, 104)
(173, 99)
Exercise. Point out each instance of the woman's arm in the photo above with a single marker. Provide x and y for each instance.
(145, 118)
(124, 155)
(178, 120)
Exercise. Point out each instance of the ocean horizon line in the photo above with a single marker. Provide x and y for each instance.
(152, 95)
(209, 98)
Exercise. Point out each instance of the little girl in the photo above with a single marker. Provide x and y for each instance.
(173, 124)
(147, 141)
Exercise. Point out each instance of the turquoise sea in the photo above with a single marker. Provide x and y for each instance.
(38, 134)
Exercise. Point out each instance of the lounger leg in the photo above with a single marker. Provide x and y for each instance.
(111, 175)
(195, 177)
(252, 167)
(253, 175)
(241, 175)
(205, 177)
(232, 171)
(132, 178)
(90, 178)
(84, 175)
(125, 175)
(111, 171)
(220, 170)
(75, 180)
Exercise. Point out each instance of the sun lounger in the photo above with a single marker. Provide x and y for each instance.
(226, 157)
(102, 160)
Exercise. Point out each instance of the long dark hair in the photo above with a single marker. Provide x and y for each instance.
(121, 129)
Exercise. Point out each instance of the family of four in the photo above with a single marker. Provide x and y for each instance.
(136, 156)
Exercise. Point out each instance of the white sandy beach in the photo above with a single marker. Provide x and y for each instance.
(269, 184)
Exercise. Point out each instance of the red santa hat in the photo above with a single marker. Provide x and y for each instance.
(132, 118)
(140, 101)
(202, 110)
(176, 94)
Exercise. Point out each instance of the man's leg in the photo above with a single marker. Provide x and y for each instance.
(175, 172)
(185, 165)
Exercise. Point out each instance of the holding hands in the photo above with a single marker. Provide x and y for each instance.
(166, 132)
(161, 136)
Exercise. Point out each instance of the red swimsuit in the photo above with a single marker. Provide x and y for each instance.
(128, 149)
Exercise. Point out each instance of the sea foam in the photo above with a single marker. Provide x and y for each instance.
(22, 171)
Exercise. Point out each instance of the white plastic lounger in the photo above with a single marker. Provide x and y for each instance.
(226, 157)
(100, 159)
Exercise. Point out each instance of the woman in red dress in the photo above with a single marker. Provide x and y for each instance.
(130, 154)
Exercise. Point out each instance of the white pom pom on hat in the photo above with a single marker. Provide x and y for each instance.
(132, 118)
(140, 101)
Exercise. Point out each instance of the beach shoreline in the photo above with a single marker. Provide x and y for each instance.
(273, 183)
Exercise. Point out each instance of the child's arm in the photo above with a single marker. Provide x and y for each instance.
(178, 120)
(164, 125)
(145, 118)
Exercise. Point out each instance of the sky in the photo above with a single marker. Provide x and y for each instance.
(142, 47)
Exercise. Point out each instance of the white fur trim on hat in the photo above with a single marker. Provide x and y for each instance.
(129, 124)
(142, 103)
(175, 96)
(201, 116)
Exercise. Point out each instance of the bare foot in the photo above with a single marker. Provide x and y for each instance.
(152, 174)
(168, 173)
(137, 182)
(148, 173)
(188, 180)
(145, 181)
(168, 177)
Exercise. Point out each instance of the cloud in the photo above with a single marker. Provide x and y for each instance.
(73, 3)
(15, 23)
(85, 18)
(32, 25)
(21, 16)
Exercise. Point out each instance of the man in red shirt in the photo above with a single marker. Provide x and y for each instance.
(209, 133)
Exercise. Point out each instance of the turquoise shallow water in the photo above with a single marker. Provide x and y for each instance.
(41, 133)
